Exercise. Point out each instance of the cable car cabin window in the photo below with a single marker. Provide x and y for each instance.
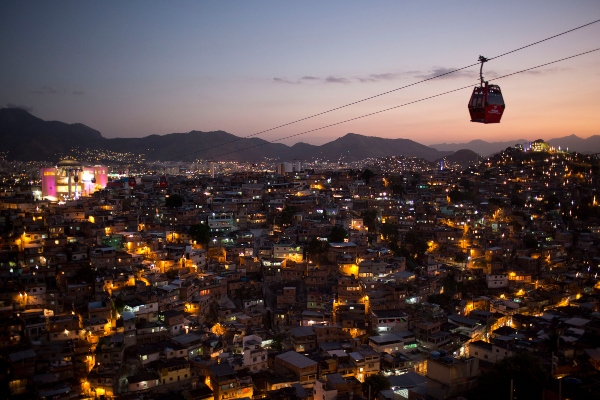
(476, 100)
(495, 98)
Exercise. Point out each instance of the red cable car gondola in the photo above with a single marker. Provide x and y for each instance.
(486, 104)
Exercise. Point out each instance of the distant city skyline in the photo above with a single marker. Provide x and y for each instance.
(141, 68)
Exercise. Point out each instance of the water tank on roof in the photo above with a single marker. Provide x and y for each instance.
(447, 360)
(442, 353)
(434, 355)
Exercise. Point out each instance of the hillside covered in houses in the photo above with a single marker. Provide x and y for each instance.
(391, 279)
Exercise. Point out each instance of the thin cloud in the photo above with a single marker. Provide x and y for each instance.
(389, 76)
(78, 92)
(366, 80)
(44, 90)
(446, 73)
(490, 74)
(287, 81)
(338, 79)
(19, 106)
(538, 72)
(385, 77)
(333, 79)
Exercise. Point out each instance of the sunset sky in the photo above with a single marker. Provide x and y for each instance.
(136, 68)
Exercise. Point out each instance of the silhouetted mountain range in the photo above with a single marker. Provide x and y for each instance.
(478, 146)
(26, 137)
(575, 143)
(572, 142)
(354, 147)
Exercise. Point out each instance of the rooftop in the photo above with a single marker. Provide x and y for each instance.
(296, 359)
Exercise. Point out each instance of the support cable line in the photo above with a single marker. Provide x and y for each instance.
(390, 91)
(401, 105)
(544, 40)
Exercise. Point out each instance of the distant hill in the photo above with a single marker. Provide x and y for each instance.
(354, 147)
(26, 137)
(464, 158)
(572, 142)
(194, 145)
(575, 143)
(479, 146)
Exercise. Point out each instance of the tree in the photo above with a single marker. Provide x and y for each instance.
(119, 304)
(7, 374)
(172, 273)
(364, 339)
(287, 215)
(377, 383)
(517, 227)
(389, 232)
(218, 329)
(478, 263)
(530, 241)
(416, 178)
(442, 300)
(369, 219)
(494, 201)
(173, 201)
(270, 218)
(367, 174)
(456, 195)
(526, 372)
(213, 312)
(316, 249)
(200, 233)
(516, 200)
(418, 245)
(466, 183)
(398, 189)
(450, 285)
(244, 293)
(86, 274)
(277, 343)
(337, 235)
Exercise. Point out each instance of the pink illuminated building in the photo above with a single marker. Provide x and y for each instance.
(70, 179)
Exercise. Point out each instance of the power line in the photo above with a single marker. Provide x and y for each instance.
(548, 63)
(544, 40)
(403, 105)
(389, 91)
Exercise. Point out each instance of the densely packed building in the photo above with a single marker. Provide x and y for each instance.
(310, 283)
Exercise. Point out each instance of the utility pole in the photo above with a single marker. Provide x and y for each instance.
(560, 389)
(511, 389)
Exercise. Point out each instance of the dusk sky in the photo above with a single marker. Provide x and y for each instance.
(136, 68)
